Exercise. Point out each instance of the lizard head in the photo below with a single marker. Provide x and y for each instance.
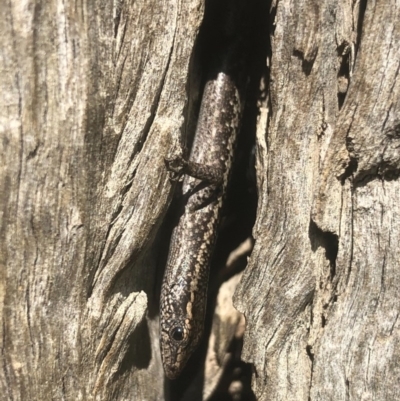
(177, 344)
(181, 327)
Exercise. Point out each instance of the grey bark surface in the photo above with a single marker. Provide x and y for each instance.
(320, 292)
(94, 98)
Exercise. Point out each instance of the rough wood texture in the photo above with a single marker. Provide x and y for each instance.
(94, 96)
(320, 292)
(93, 99)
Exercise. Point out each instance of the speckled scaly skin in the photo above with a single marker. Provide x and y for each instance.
(184, 289)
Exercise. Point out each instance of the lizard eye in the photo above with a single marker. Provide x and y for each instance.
(177, 333)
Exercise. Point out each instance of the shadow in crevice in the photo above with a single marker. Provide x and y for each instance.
(326, 240)
(139, 351)
(360, 22)
(241, 202)
(238, 371)
(306, 63)
(345, 55)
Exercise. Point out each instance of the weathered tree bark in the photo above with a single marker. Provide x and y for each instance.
(94, 98)
(320, 293)
(94, 95)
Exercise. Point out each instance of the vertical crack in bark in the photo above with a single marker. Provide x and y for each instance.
(117, 16)
(329, 241)
(5, 366)
(207, 49)
(311, 357)
(345, 54)
(360, 20)
(352, 166)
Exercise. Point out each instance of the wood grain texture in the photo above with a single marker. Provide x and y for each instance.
(94, 97)
(319, 290)
(93, 100)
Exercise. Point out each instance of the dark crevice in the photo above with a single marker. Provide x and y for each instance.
(350, 169)
(383, 172)
(389, 173)
(272, 15)
(306, 63)
(366, 176)
(235, 370)
(384, 169)
(139, 351)
(326, 240)
(344, 52)
(117, 16)
(310, 353)
(391, 132)
(331, 245)
(361, 10)
(33, 152)
(28, 316)
(240, 206)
